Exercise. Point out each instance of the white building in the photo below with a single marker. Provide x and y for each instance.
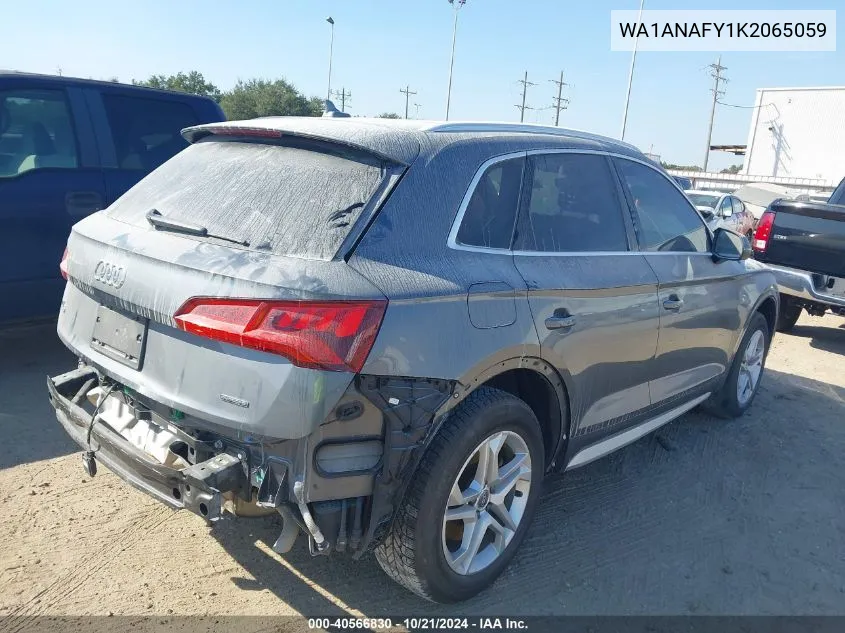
(797, 132)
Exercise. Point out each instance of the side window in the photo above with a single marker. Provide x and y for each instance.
(36, 131)
(146, 131)
(726, 210)
(666, 221)
(739, 207)
(572, 206)
(491, 212)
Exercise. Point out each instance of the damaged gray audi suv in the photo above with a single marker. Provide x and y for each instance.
(389, 332)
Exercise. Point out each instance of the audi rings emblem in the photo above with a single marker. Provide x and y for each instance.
(110, 274)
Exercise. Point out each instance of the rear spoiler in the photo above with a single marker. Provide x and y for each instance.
(388, 144)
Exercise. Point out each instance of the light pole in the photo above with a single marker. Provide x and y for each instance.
(331, 49)
(631, 74)
(457, 4)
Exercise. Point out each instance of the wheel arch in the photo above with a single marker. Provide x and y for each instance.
(539, 385)
(767, 304)
(768, 307)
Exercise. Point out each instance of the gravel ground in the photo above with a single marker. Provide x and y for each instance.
(704, 517)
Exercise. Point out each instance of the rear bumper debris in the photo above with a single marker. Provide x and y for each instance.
(199, 488)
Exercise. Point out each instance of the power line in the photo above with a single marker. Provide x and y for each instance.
(522, 108)
(407, 92)
(560, 103)
(732, 105)
(716, 73)
(343, 95)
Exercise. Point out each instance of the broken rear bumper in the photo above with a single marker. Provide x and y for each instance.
(198, 488)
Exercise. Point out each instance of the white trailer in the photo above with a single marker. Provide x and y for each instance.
(797, 132)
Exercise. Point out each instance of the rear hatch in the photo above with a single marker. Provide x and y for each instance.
(806, 236)
(217, 285)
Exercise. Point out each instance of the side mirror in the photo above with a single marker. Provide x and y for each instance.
(730, 246)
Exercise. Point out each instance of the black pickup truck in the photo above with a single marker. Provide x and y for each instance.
(804, 243)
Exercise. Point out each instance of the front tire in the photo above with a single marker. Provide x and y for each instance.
(470, 502)
(743, 380)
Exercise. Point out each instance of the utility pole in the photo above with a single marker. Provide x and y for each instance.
(342, 94)
(560, 103)
(522, 108)
(407, 92)
(457, 5)
(417, 113)
(631, 74)
(716, 73)
(330, 20)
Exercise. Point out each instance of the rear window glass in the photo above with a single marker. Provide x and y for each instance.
(284, 199)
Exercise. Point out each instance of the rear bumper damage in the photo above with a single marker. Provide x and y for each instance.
(199, 488)
(340, 485)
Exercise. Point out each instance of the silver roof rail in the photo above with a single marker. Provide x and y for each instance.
(526, 128)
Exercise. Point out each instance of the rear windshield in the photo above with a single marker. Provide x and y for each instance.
(703, 200)
(285, 199)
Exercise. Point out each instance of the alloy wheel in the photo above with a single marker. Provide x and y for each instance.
(750, 368)
(486, 503)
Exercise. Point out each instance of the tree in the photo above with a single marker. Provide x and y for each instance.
(680, 167)
(389, 115)
(192, 82)
(733, 169)
(260, 97)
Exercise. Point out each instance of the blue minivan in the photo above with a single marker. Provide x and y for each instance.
(69, 147)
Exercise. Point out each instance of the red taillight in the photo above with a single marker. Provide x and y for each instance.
(764, 230)
(63, 265)
(333, 335)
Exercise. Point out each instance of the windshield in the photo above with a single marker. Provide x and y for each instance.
(703, 199)
(288, 200)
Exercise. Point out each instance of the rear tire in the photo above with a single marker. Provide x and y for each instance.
(741, 385)
(432, 556)
(789, 313)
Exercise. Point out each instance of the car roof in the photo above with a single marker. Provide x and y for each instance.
(400, 139)
(708, 192)
(63, 80)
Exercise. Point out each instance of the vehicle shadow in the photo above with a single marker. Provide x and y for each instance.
(829, 339)
(28, 428)
(705, 516)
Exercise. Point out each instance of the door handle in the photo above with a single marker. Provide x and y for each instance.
(562, 321)
(673, 303)
(81, 203)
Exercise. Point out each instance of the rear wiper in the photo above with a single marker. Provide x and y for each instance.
(155, 218)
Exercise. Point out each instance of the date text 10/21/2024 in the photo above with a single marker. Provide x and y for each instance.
(419, 624)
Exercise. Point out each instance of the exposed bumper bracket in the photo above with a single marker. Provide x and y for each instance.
(198, 488)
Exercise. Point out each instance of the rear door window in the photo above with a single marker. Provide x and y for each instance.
(36, 131)
(572, 206)
(491, 211)
(666, 221)
(299, 199)
(146, 132)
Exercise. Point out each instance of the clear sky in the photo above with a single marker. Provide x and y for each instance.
(383, 45)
